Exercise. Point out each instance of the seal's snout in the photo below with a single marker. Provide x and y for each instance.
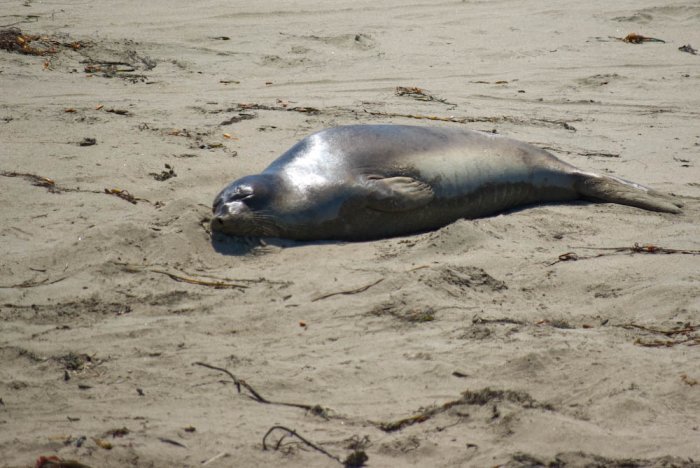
(228, 215)
(241, 208)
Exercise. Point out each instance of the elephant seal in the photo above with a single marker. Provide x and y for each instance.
(364, 182)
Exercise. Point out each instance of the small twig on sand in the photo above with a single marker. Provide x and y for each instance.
(214, 458)
(217, 284)
(690, 341)
(678, 336)
(356, 459)
(314, 409)
(238, 382)
(681, 331)
(33, 284)
(296, 434)
(212, 284)
(645, 248)
(352, 291)
(171, 442)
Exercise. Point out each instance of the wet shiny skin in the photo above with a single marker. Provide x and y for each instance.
(372, 181)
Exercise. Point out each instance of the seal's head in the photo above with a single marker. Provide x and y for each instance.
(244, 207)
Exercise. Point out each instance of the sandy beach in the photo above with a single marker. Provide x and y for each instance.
(555, 335)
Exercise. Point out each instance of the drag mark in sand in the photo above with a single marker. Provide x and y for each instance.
(461, 120)
(636, 248)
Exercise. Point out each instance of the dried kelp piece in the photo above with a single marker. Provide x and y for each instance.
(634, 38)
(39, 181)
(683, 330)
(168, 173)
(77, 361)
(419, 94)
(579, 458)
(685, 334)
(56, 462)
(690, 341)
(404, 312)
(109, 69)
(14, 40)
(238, 118)
(479, 398)
(253, 106)
(636, 248)
(124, 64)
(123, 194)
(51, 186)
(118, 111)
(689, 49)
(118, 432)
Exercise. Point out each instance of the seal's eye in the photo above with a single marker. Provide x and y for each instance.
(241, 193)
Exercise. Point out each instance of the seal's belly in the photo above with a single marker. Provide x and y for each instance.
(353, 220)
(467, 182)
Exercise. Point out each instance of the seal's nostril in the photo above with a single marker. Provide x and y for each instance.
(219, 221)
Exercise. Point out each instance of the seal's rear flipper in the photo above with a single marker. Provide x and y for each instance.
(397, 193)
(613, 190)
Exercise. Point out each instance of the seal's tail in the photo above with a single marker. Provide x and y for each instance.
(614, 190)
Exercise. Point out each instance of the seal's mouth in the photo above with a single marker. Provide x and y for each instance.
(225, 214)
(232, 225)
(229, 217)
(217, 224)
(236, 219)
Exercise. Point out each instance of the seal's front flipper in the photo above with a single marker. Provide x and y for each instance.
(397, 193)
(614, 190)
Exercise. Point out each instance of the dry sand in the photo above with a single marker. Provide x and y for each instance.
(506, 358)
